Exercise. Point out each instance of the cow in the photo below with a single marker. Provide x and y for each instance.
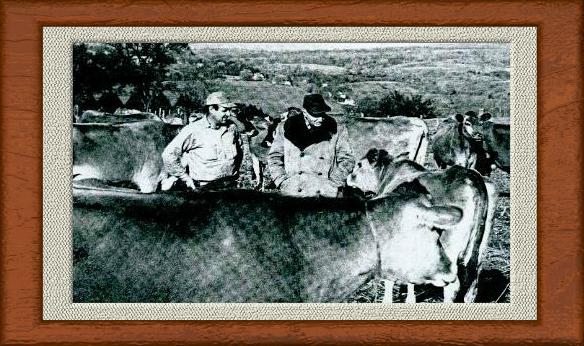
(402, 136)
(377, 174)
(259, 134)
(458, 141)
(125, 153)
(96, 117)
(241, 246)
(399, 136)
(496, 142)
(261, 141)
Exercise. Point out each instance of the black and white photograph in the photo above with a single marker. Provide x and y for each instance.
(291, 172)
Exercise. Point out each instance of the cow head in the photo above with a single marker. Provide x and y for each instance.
(470, 124)
(273, 124)
(405, 225)
(366, 173)
(242, 116)
(371, 171)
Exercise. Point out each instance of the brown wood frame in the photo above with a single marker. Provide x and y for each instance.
(560, 254)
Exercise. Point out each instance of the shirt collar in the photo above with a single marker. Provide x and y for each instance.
(207, 124)
(308, 125)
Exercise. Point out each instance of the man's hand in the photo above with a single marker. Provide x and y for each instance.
(188, 181)
(167, 182)
(340, 192)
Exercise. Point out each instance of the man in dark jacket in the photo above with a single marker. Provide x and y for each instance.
(310, 155)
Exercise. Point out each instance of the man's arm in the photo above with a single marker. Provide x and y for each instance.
(344, 158)
(172, 154)
(276, 157)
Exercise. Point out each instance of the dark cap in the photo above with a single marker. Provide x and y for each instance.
(314, 104)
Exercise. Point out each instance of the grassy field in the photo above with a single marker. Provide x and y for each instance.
(271, 98)
(457, 78)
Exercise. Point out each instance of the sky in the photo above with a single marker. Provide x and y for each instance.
(330, 46)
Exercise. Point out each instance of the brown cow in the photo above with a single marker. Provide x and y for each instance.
(378, 174)
(246, 246)
(399, 136)
(96, 117)
(496, 142)
(458, 141)
(126, 153)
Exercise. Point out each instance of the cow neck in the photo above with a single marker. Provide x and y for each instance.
(380, 177)
(461, 138)
(384, 182)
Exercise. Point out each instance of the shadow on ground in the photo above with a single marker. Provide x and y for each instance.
(493, 287)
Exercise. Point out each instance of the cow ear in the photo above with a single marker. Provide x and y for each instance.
(384, 157)
(437, 216)
(485, 116)
(459, 117)
(372, 155)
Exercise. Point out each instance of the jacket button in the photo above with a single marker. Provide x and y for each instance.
(299, 190)
(301, 154)
(319, 173)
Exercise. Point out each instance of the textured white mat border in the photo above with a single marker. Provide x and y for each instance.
(57, 115)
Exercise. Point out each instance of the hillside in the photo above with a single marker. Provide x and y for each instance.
(457, 78)
(271, 98)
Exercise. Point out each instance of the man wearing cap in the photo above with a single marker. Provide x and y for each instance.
(310, 155)
(206, 152)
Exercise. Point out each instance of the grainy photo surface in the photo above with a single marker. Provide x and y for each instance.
(261, 173)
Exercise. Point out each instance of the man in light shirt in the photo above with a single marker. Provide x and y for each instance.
(206, 152)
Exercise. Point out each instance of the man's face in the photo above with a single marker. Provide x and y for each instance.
(220, 115)
(314, 119)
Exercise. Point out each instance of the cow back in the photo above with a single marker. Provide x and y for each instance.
(397, 135)
(231, 246)
(119, 151)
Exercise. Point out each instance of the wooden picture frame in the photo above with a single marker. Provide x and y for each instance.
(559, 142)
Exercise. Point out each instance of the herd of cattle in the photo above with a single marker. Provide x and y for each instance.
(410, 225)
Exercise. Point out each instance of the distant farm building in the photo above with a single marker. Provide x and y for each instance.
(258, 77)
(281, 80)
(231, 77)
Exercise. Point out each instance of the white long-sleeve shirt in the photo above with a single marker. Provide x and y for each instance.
(206, 153)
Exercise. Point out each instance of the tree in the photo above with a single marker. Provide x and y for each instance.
(397, 103)
(98, 67)
(369, 107)
(246, 74)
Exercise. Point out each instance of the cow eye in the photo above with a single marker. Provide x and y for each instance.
(467, 123)
(359, 164)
